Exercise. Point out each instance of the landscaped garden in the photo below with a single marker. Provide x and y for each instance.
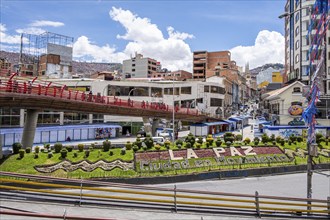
(145, 158)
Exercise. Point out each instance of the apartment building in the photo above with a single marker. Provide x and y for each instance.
(140, 67)
(179, 75)
(297, 44)
(207, 64)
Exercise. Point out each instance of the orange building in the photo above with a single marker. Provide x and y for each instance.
(207, 64)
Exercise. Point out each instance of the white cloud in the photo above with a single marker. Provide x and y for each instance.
(268, 48)
(31, 30)
(41, 23)
(84, 49)
(143, 37)
(8, 39)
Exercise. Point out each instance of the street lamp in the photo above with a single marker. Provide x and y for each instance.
(173, 133)
(310, 146)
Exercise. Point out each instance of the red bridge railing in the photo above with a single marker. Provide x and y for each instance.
(59, 91)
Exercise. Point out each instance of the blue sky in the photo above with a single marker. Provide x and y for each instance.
(110, 31)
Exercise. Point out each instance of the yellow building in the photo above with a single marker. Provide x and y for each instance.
(263, 84)
(277, 77)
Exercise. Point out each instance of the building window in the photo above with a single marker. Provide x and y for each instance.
(206, 88)
(297, 31)
(133, 64)
(297, 17)
(133, 70)
(216, 102)
(186, 90)
(297, 58)
(296, 89)
(297, 44)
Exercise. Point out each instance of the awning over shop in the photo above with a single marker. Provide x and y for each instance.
(235, 119)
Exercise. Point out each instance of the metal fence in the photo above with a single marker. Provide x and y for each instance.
(88, 192)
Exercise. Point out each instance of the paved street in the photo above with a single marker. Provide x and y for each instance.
(293, 185)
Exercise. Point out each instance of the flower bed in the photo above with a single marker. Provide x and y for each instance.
(203, 153)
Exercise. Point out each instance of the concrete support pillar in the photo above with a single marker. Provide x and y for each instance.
(61, 118)
(21, 117)
(154, 126)
(147, 125)
(29, 128)
(90, 118)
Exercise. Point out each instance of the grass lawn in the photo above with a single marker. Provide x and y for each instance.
(26, 165)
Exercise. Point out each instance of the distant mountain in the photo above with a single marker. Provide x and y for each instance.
(84, 68)
(276, 66)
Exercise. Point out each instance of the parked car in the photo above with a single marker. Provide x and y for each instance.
(157, 140)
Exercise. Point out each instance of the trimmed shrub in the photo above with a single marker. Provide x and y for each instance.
(292, 138)
(92, 146)
(188, 145)
(198, 145)
(282, 142)
(290, 143)
(16, 147)
(21, 153)
(135, 148)
(123, 151)
(200, 140)
(87, 153)
(264, 138)
(37, 149)
(106, 145)
(228, 143)
(274, 142)
(138, 143)
(167, 144)
(50, 154)
(228, 136)
(256, 142)
(218, 142)
(149, 142)
(247, 141)
(47, 146)
(278, 139)
(157, 147)
(111, 153)
(144, 148)
(272, 138)
(69, 148)
(128, 145)
(209, 139)
(179, 146)
(42, 150)
(36, 156)
(58, 147)
(207, 144)
(191, 139)
(75, 154)
(28, 150)
(81, 147)
(64, 153)
(256, 139)
(238, 137)
(179, 142)
(299, 139)
(91, 149)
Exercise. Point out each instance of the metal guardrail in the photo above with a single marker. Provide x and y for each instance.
(25, 86)
(85, 192)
